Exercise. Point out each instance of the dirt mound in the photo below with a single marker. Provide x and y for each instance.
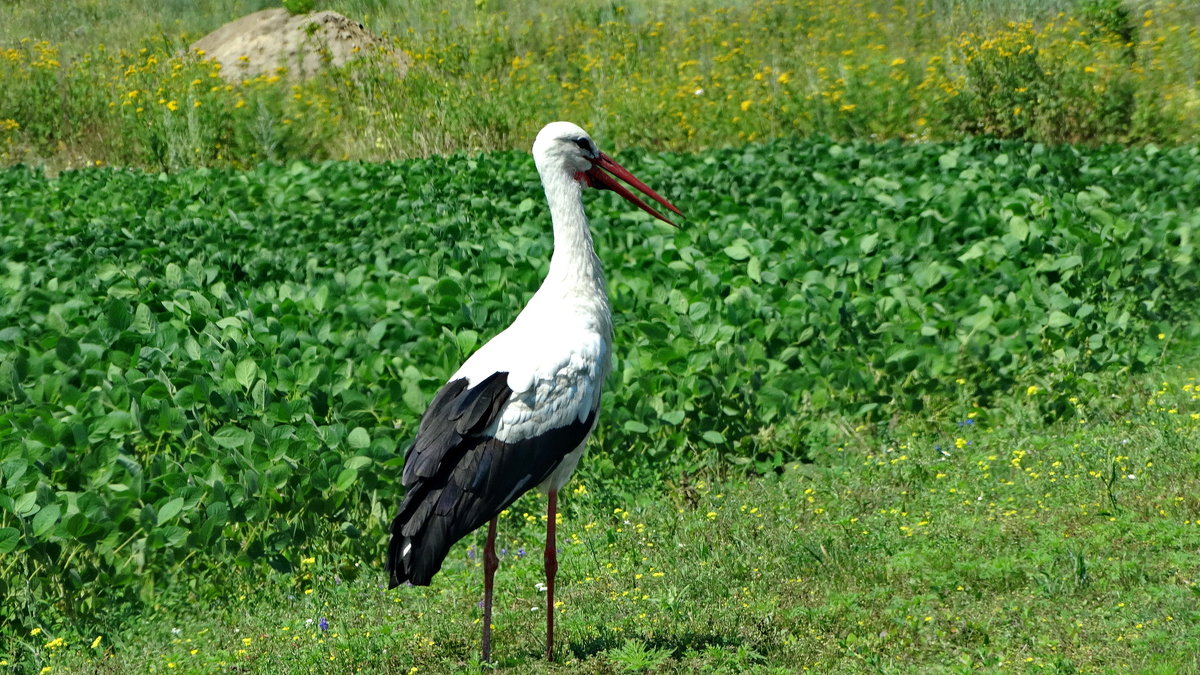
(259, 43)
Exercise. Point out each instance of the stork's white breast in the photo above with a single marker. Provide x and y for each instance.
(556, 374)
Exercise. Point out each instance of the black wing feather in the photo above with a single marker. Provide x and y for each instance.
(458, 478)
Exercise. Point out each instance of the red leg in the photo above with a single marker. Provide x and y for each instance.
(551, 560)
(490, 563)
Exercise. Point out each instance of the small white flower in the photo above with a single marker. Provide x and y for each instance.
(541, 588)
(1131, 476)
(699, 92)
(176, 631)
(534, 609)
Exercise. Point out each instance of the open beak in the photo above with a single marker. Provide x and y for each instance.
(597, 178)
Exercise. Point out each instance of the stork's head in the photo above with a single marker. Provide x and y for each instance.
(564, 148)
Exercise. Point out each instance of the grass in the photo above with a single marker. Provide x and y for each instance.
(87, 84)
(983, 540)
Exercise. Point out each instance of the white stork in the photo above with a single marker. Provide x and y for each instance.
(518, 413)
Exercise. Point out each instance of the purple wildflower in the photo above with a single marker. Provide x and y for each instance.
(323, 624)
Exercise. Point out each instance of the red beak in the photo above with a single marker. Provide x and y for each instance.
(597, 178)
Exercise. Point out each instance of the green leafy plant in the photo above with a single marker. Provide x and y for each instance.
(635, 657)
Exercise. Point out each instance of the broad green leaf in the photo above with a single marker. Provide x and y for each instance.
(1018, 228)
(9, 538)
(358, 438)
(345, 479)
(673, 417)
(377, 332)
(245, 372)
(868, 243)
(170, 510)
(1058, 319)
(115, 424)
(358, 462)
(26, 504)
(230, 436)
(45, 520)
(737, 252)
(975, 251)
(321, 298)
(142, 322)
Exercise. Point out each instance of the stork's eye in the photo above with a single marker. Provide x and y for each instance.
(583, 144)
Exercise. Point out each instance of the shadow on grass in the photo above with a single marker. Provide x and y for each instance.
(676, 645)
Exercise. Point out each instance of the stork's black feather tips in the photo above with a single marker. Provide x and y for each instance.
(459, 478)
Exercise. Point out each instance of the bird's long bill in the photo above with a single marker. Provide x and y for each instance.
(599, 179)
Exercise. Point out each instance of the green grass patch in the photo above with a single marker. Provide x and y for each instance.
(967, 542)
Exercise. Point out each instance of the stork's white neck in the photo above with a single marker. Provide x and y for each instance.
(574, 268)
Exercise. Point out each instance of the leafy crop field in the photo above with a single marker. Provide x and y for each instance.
(209, 375)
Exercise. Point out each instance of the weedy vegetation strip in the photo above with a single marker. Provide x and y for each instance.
(659, 74)
(216, 372)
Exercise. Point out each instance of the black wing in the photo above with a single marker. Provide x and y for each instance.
(458, 478)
